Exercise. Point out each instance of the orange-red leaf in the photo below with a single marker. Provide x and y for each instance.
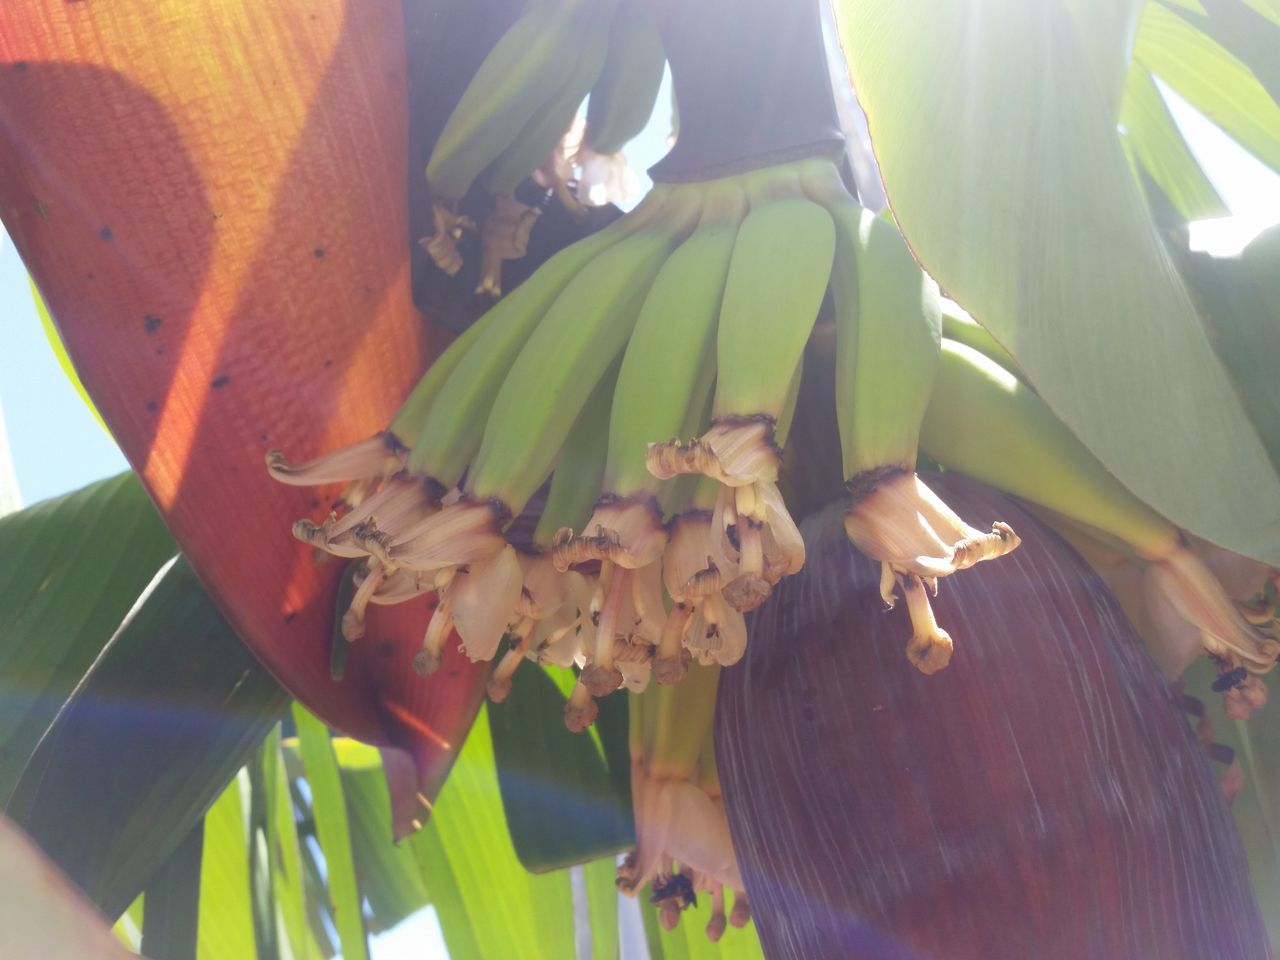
(212, 199)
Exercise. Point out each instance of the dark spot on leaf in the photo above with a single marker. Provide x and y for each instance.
(159, 351)
(20, 66)
(221, 381)
(328, 364)
(151, 323)
(288, 617)
(91, 275)
(386, 649)
(318, 253)
(314, 505)
(105, 233)
(152, 406)
(262, 438)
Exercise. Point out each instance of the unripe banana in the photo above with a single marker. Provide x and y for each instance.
(776, 282)
(984, 422)
(669, 725)
(455, 422)
(532, 60)
(957, 325)
(546, 592)
(574, 344)
(888, 327)
(669, 364)
(623, 97)
(778, 276)
(546, 126)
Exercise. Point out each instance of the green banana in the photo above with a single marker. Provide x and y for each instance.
(782, 258)
(454, 425)
(776, 282)
(666, 372)
(570, 498)
(888, 327)
(410, 419)
(582, 332)
(547, 125)
(536, 55)
(623, 97)
(679, 816)
(957, 325)
(984, 422)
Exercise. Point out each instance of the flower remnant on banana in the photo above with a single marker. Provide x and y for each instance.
(984, 421)
(683, 845)
(687, 318)
(517, 123)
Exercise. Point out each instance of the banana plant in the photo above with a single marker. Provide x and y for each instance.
(235, 286)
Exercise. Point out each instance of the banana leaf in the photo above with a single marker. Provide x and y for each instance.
(171, 708)
(998, 144)
(70, 569)
(567, 796)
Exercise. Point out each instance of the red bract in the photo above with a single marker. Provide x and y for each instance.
(1043, 796)
(212, 199)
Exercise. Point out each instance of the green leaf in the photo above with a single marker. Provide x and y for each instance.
(70, 569)
(1252, 35)
(170, 927)
(226, 903)
(1155, 142)
(333, 831)
(456, 923)
(287, 879)
(567, 796)
(1240, 303)
(172, 707)
(1004, 167)
(387, 871)
(60, 351)
(602, 908)
(688, 941)
(499, 908)
(1210, 79)
(261, 875)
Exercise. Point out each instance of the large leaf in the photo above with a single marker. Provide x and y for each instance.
(495, 908)
(226, 902)
(329, 808)
(288, 883)
(171, 708)
(390, 880)
(70, 569)
(171, 924)
(567, 796)
(1003, 164)
(1155, 142)
(688, 941)
(229, 271)
(1211, 79)
(1252, 35)
(1240, 302)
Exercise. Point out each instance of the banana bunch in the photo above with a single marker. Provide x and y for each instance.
(687, 318)
(984, 421)
(515, 118)
(620, 105)
(679, 813)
